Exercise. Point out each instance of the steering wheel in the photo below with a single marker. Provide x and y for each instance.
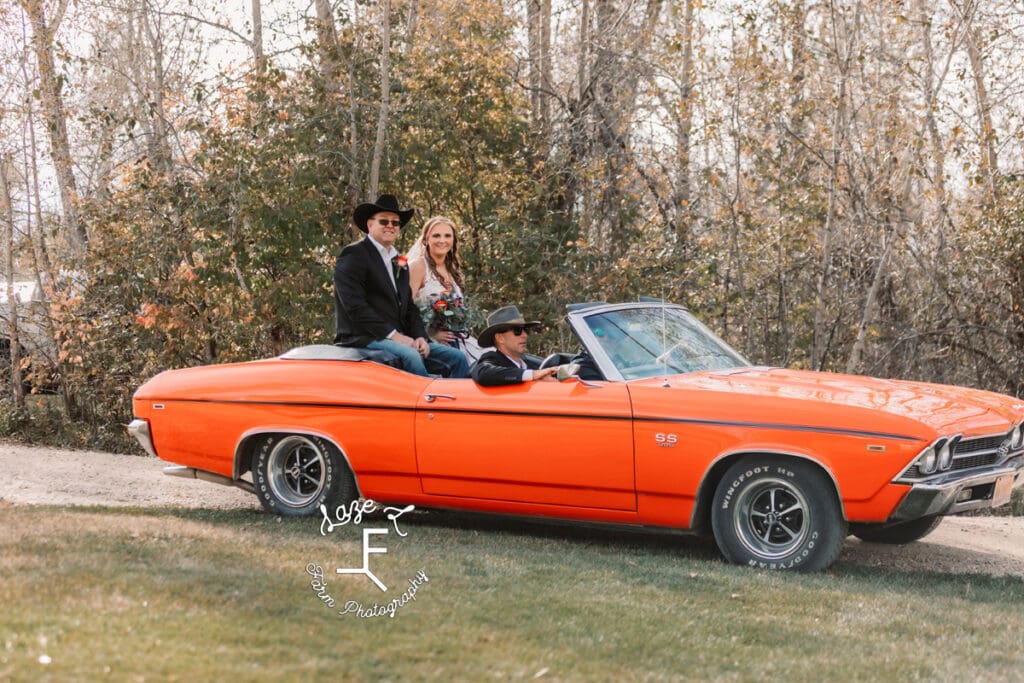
(551, 361)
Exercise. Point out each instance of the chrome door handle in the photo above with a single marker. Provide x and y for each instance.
(430, 398)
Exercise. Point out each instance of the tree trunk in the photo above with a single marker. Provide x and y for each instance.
(584, 52)
(987, 139)
(684, 118)
(257, 37)
(7, 216)
(40, 252)
(853, 363)
(545, 62)
(604, 218)
(152, 84)
(533, 57)
(42, 264)
(565, 201)
(355, 185)
(619, 67)
(413, 9)
(843, 59)
(53, 111)
(938, 148)
(327, 39)
(385, 99)
(539, 49)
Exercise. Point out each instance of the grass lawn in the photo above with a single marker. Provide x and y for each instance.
(112, 594)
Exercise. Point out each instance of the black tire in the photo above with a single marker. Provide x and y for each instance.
(294, 474)
(899, 533)
(777, 513)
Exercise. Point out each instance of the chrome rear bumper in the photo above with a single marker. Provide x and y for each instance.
(957, 493)
(139, 428)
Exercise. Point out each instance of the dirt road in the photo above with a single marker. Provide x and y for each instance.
(46, 476)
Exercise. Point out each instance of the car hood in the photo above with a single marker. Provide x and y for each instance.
(814, 398)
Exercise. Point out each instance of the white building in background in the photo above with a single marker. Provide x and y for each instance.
(32, 327)
(24, 293)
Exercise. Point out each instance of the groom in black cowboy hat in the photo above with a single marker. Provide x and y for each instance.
(372, 300)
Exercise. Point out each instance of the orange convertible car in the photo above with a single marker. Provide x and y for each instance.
(678, 432)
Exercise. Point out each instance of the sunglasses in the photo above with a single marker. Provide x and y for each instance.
(394, 222)
(519, 330)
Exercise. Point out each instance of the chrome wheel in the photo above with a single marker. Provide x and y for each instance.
(297, 469)
(774, 512)
(294, 474)
(769, 518)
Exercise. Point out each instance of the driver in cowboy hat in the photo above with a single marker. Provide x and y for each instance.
(507, 332)
(372, 300)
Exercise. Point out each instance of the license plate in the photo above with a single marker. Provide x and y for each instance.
(1003, 490)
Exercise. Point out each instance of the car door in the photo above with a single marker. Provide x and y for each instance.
(554, 443)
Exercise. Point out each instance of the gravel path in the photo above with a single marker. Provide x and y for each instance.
(31, 475)
(36, 475)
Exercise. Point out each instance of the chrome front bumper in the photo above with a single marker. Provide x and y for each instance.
(139, 428)
(958, 493)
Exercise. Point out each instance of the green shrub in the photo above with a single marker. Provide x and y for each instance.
(44, 421)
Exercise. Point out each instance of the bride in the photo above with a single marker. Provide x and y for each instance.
(434, 271)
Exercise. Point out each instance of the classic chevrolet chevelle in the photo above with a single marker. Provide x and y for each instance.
(681, 433)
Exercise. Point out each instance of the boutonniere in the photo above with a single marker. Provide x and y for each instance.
(399, 263)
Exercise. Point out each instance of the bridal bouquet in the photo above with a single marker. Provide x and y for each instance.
(447, 311)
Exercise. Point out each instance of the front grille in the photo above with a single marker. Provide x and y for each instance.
(969, 447)
(972, 461)
(969, 454)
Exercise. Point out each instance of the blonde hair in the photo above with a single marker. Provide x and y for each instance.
(451, 259)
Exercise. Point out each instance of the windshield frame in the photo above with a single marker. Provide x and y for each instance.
(577, 320)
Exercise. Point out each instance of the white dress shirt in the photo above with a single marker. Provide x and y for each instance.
(386, 254)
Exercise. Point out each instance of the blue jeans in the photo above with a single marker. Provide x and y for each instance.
(443, 359)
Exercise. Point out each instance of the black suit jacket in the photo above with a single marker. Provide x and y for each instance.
(494, 369)
(366, 306)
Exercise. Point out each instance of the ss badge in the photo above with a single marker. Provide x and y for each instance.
(666, 440)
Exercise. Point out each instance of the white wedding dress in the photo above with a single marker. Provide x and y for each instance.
(429, 292)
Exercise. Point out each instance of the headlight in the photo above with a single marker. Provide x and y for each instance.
(1017, 436)
(946, 455)
(928, 462)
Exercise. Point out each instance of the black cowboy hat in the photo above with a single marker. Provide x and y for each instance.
(385, 202)
(503, 320)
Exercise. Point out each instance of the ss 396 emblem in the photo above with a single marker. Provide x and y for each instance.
(666, 440)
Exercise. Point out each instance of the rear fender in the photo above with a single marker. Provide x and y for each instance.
(244, 448)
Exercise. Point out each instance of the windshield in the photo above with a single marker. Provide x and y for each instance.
(652, 341)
